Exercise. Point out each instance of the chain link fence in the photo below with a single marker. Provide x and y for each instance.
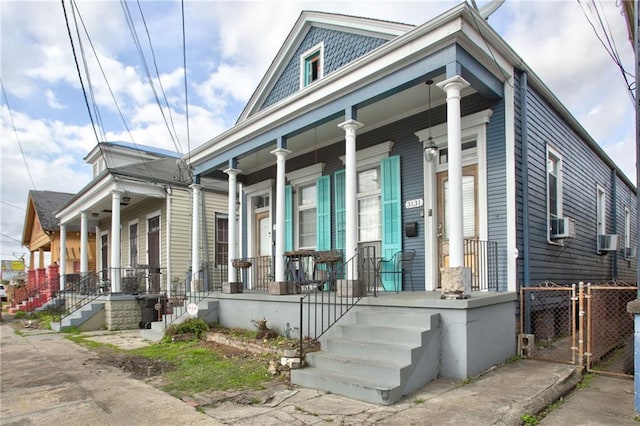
(583, 324)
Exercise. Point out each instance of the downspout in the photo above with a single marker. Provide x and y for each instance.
(614, 208)
(525, 192)
(167, 191)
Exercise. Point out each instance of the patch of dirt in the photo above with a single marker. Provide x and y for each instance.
(138, 366)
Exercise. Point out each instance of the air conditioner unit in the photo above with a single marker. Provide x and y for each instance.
(563, 227)
(629, 252)
(607, 242)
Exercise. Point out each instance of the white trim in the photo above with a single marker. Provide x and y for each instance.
(318, 48)
(133, 222)
(552, 151)
(151, 215)
(305, 175)
(261, 186)
(473, 128)
(99, 250)
(371, 156)
(601, 210)
(259, 189)
(627, 228)
(510, 166)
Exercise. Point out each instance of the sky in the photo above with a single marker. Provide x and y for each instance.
(46, 130)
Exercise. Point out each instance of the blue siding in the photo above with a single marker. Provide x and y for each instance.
(340, 48)
(583, 170)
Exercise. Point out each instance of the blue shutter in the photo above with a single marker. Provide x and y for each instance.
(323, 213)
(339, 184)
(288, 218)
(391, 213)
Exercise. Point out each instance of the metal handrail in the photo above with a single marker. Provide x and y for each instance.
(78, 294)
(327, 303)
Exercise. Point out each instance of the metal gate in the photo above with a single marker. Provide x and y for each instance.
(581, 324)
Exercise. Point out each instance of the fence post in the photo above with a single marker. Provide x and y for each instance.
(581, 324)
(574, 348)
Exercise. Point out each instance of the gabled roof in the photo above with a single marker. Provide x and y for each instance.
(42, 205)
(351, 24)
(138, 148)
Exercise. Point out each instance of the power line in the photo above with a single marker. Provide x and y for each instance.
(186, 92)
(15, 131)
(10, 237)
(12, 205)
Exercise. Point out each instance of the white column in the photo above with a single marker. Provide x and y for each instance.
(84, 244)
(233, 229)
(351, 192)
(114, 272)
(63, 256)
(195, 235)
(452, 87)
(167, 275)
(281, 155)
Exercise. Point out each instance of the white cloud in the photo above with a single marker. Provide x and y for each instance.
(52, 101)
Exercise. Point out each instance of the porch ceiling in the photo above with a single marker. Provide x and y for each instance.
(376, 114)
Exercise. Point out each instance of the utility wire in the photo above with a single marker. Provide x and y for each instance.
(15, 131)
(186, 92)
(12, 205)
(155, 64)
(2, 234)
(115, 101)
(75, 59)
(136, 41)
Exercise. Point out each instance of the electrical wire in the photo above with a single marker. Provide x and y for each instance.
(136, 41)
(12, 205)
(186, 92)
(15, 131)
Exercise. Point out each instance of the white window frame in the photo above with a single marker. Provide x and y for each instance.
(298, 179)
(364, 195)
(151, 215)
(601, 210)
(627, 228)
(260, 189)
(317, 49)
(133, 222)
(553, 153)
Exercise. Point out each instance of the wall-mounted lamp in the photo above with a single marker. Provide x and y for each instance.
(431, 150)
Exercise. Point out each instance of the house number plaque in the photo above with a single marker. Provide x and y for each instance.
(411, 204)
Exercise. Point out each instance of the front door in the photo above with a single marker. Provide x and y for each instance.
(469, 212)
(104, 256)
(262, 249)
(153, 249)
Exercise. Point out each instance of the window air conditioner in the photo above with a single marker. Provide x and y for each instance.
(563, 227)
(629, 252)
(607, 242)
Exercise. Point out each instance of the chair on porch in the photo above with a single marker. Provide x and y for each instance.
(400, 262)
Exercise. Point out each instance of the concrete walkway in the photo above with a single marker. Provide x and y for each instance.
(49, 380)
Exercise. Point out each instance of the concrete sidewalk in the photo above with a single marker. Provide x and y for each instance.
(68, 389)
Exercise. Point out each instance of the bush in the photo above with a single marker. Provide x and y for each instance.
(192, 325)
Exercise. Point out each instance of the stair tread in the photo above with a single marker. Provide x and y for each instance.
(348, 379)
(388, 327)
(372, 343)
(369, 361)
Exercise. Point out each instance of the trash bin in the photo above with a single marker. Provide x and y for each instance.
(149, 313)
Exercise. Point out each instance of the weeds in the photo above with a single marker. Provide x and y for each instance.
(586, 381)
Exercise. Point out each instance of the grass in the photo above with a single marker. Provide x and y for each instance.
(199, 369)
(586, 381)
(534, 419)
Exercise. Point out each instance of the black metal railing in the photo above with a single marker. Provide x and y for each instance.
(255, 272)
(329, 298)
(482, 258)
(77, 294)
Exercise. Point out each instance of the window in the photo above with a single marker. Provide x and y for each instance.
(554, 186)
(307, 216)
(133, 244)
(601, 200)
(627, 227)
(222, 239)
(369, 213)
(311, 68)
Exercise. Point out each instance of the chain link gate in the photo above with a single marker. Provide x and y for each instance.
(586, 325)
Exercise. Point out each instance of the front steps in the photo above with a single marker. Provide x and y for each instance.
(81, 317)
(208, 311)
(375, 355)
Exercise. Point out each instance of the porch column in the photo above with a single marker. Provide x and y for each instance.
(195, 235)
(233, 229)
(63, 255)
(281, 154)
(456, 273)
(115, 242)
(351, 208)
(84, 244)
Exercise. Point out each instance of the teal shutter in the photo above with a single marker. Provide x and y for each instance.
(323, 213)
(391, 213)
(340, 209)
(288, 218)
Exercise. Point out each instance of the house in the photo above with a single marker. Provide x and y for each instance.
(41, 234)
(370, 137)
(139, 203)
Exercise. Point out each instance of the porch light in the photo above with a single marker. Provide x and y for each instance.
(431, 150)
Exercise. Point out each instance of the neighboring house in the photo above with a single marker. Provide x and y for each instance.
(484, 173)
(41, 234)
(140, 206)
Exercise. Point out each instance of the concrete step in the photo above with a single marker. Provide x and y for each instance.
(392, 317)
(362, 389)
(406, 335)
(78, 317)
(400, 354)
(387, 372)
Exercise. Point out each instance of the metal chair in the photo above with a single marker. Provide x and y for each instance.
(400, 262)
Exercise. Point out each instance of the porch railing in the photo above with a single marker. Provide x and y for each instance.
(31, 296)
(77, 294)
(335, 294)
(482, 258)
(255, 272)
